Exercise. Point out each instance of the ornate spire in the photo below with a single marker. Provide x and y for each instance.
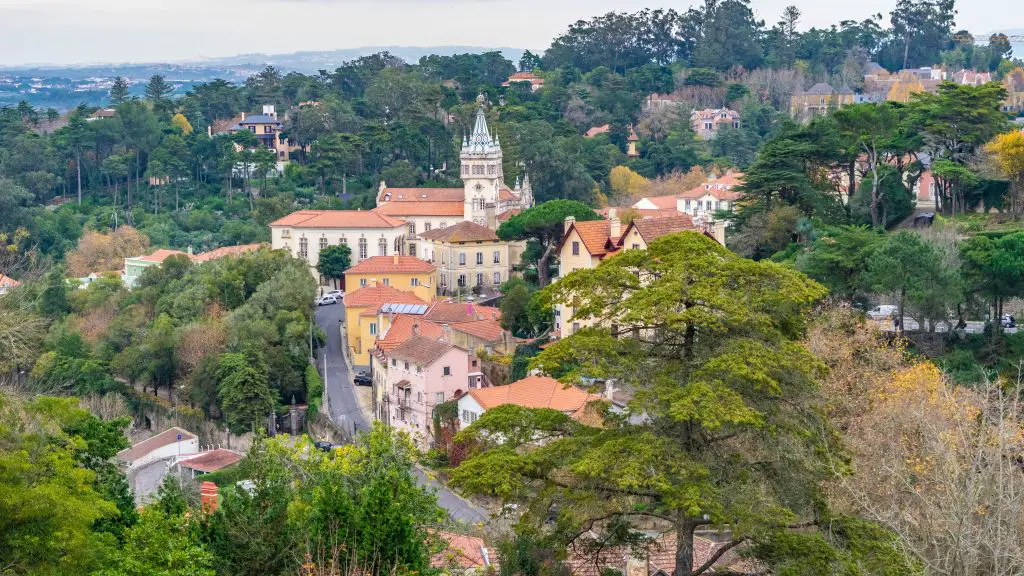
(481, 141)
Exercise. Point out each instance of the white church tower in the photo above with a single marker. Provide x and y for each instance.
(481, 171)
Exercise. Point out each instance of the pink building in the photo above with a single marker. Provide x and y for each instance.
(422, 373)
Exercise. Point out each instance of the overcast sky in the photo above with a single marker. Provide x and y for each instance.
(91, 31)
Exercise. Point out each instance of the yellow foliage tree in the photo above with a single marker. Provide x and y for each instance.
(1008, 152)
(908, 83)
(627, 184)
(181, 123)
(677, 182)
(98, 252)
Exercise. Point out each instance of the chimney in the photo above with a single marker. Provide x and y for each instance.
(416, 329)
(569, 221)
(394, 259)
(243, 116)
(615, 230)
(208, 497)
(446, 334)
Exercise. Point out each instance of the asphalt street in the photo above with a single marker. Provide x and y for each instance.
(345, 411)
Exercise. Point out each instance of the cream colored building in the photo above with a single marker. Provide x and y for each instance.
(468, 255)
(306, 232)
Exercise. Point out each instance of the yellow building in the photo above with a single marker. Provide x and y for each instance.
(819, 100)
(267, 129)
(363, 321)
(407, 273)
(468, 255)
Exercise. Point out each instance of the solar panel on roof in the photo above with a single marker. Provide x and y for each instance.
(404, 308)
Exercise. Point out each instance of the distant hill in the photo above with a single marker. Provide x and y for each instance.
(237, 68)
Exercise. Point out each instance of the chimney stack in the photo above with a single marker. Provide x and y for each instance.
(208, 497)
(394, 259)
(615, 228)
(569, 221)
(416, 329)
(243, 116)
(446, 334)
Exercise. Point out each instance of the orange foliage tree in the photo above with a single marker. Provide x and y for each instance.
(98, 252)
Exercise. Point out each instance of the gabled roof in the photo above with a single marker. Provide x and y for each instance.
(401, 329)
(534, 392)
(594, 233)
(392, 265)
(489, 330)
(660, 202)
(420, 350)
(8, 282)
(212, 460)
(421, 195)
(603, 129)
(160, 255)
(721, 188)
(165, 438)
(454, 312)
(507, 194)
(337, 219)
(464, 231)
(463, 552)
(820, 89)
(425, 208)
(651, 229)
(259, 119)
(376, 296)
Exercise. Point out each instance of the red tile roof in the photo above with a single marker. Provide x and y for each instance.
(401, 329)
(463, 552)
(663, 202)
(722, 188)
(507, 194)
(421, 195)
(594, 234)
(8, 282)
(338, 219)
(392, 265)
(376, 296)
(508, 214)
(464, 231)
(420, 350)
(212, 460)
(421, 209)
(534, 392)
(489, 330)
(160, 255)
(165, 438)
(651, 229)
(598, 130)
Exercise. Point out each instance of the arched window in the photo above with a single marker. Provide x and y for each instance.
(362, 249)
(382, 246)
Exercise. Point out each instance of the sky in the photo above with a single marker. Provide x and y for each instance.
(117, 31)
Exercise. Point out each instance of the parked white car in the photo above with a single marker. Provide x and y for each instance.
(326, 300)
(882, 312)
(336, 293)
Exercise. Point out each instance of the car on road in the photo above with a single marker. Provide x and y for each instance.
(882, 312)
(324, 445)
(336, 293)
(327, 300)
(362, 379)
(1008, 321)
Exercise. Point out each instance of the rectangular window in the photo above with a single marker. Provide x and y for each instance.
(439, 398)
(636, 246)
(373, 328)
(394, 362)
(419, 397)
(426, 226)
(462, 279)
(303, 248)
(474, 363)
(406, 365)
(497, 257)
(447, 371)
(497, 278)
(412, 249)
(419, 369)
(444, 280)
(575, 326)
(479, 279)
(362, 282)
(462, 258)
(686, 204)
(479, 258)
(387, 281)
(415, 282)
(575, 248)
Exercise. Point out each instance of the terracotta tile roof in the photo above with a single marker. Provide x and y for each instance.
(421, 209)
(165, 438)
(598, 130)
(454, 312)
(338, 219)
(508, 214)
(651, 229)
(463, 552)
(392, 265)
(594, 234)
(534, 392)
(160, 255)
(104, 113)
(421, 195)
(8, 282)
(212, 460)
(375, 296)
(420, 350)
(660, 556)
(400, 330)
(225, 125)
(663, 202)
(225, 251)
(464, 231)
(728, 183)
(507, 194)
(489, 330)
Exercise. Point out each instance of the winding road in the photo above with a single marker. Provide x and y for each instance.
(346, 413)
